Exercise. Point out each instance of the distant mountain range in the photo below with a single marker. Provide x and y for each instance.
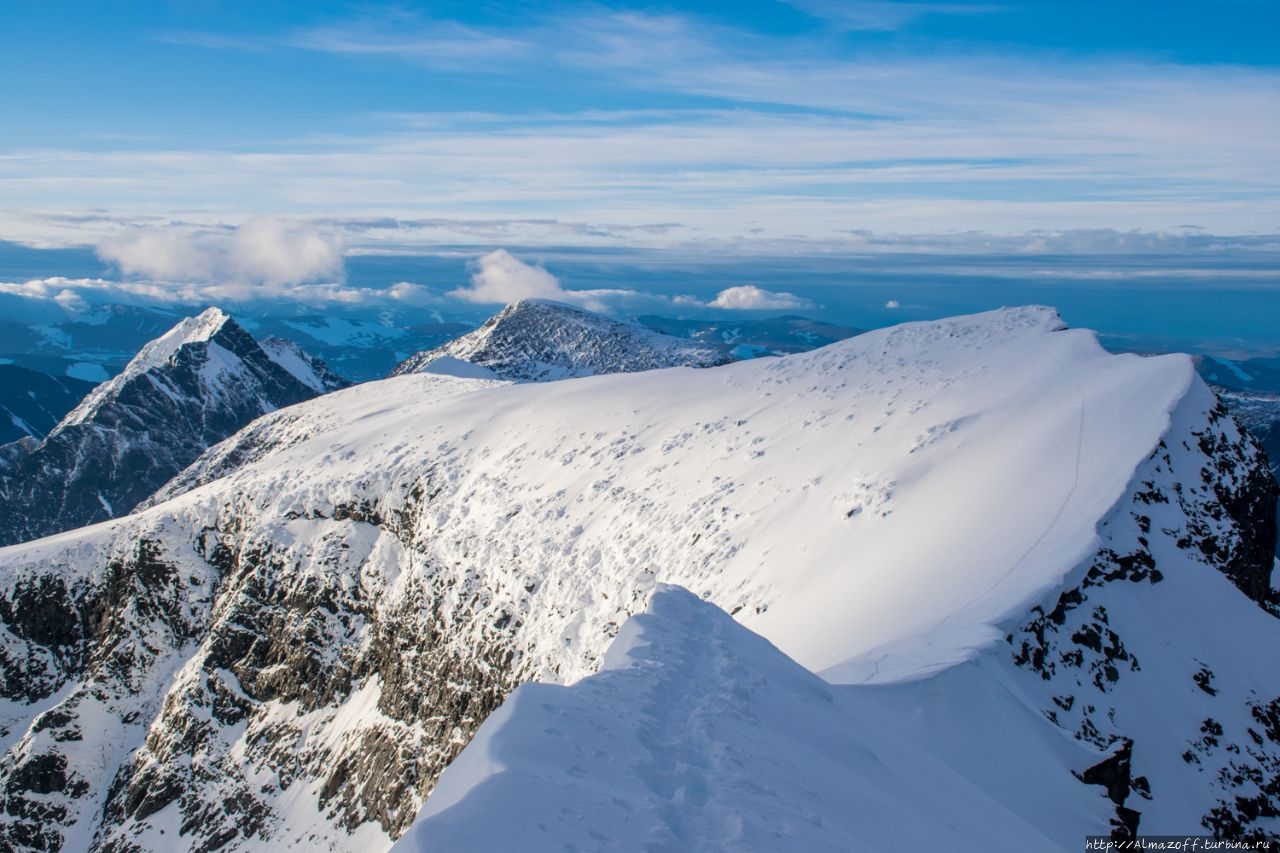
(752, 338)
(97, 345)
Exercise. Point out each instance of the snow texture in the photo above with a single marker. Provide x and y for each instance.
(699, 735)
(307, 369)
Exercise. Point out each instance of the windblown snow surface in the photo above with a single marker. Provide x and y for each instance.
(1028, 570)
(700, 735)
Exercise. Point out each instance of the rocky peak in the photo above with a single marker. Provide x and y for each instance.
(536, 340)
(195, 385)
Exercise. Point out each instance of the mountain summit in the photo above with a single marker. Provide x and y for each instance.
(537, 340)
(195, 385)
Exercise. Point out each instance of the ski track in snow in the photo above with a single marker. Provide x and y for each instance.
(1048, 528)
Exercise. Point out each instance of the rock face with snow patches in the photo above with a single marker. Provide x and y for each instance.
(192, 387)
(536, 340)
(1034, 573)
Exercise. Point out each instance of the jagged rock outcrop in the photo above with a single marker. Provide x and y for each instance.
(187, 390)
(1204, 501)
(536, 340)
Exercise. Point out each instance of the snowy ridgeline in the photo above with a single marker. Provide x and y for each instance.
(700, 735)
(985, 528)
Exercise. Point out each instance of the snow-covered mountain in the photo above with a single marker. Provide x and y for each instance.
(190, 388)
(1043, 571)
(32, 403)
(306, 368)
(536, 340)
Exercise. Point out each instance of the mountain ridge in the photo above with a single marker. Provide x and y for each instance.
(292, 650)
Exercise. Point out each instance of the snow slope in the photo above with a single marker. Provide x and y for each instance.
(307, 369)
(1149, 677)
(996, 434)
(363, 578)
(536, 340)
(699, 735)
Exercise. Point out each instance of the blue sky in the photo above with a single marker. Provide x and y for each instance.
(808, 125)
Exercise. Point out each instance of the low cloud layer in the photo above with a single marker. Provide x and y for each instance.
(748, 297)
(264, 251)
(500, 278)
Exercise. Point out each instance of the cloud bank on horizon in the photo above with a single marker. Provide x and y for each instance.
(499, 278)
(270, 260)
(265, 250)
(772, 127)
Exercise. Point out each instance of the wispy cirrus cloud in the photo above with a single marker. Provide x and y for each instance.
(392, 34)
(870, 15)
(760, 140)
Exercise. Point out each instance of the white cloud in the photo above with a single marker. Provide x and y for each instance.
(71, 301)
(264, 251)
(881, 14)
(76, 296)
(749, 297)
(1001, 142)
(499, 278)
(893, 304)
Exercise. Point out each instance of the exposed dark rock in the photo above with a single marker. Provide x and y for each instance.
(1228, 508)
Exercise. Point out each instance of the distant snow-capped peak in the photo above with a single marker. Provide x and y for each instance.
(536, 340)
